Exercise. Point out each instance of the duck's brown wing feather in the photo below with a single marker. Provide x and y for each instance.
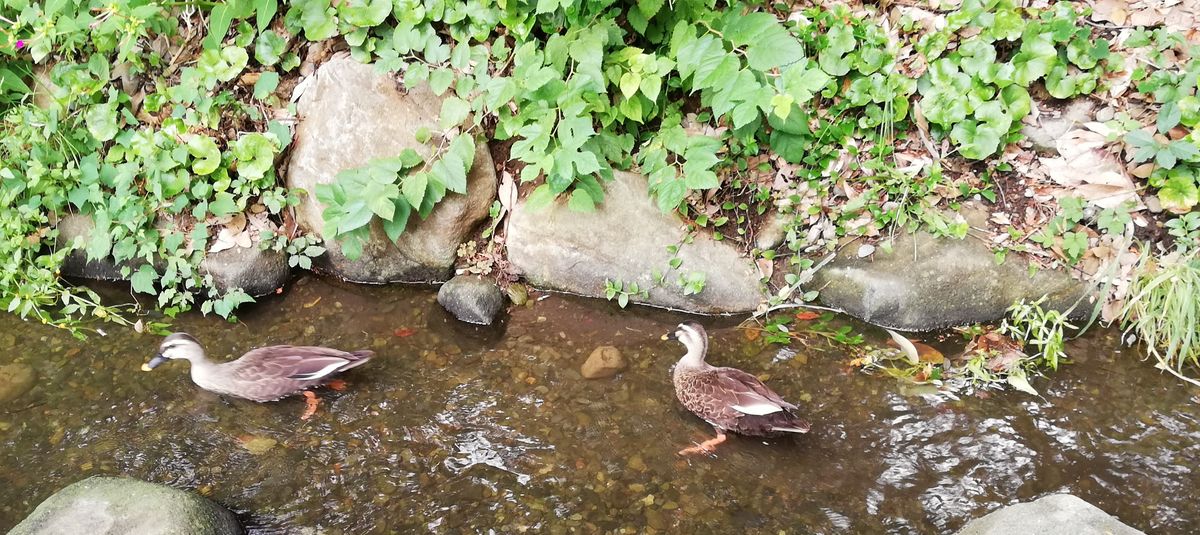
(746, 390)
(299, 363)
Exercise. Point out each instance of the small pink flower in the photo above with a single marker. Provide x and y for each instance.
(20, 44)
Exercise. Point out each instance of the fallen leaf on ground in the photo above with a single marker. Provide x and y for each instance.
(403, 332)
(1086, 170)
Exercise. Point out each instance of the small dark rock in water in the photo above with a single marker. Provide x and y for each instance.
(15, 380)
(471, 299)
(116, 506)
(605, 361)
(1058, 514)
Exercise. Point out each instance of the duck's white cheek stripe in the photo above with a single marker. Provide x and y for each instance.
(319, 373)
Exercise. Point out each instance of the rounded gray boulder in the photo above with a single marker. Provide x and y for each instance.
(118, 506)
(471, 299)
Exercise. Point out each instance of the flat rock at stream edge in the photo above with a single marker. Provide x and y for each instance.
(472, 299)
(1057, 514)
(928, 283)
(121, 506)
(351, 114)
(625, 239)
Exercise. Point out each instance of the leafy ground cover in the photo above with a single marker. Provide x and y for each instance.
(164, 123)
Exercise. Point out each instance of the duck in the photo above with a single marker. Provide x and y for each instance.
(729, 399)
(263, 374)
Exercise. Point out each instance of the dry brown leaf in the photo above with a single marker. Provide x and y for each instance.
(1086, 170)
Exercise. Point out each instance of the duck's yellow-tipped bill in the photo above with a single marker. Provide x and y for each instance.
(146, 368)
(665, 337)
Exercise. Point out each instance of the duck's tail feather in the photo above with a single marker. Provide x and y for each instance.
(360, 357)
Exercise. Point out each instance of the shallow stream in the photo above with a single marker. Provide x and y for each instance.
(456, 429)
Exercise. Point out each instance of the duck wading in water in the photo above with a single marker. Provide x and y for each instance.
(263, 374)
(729, 399)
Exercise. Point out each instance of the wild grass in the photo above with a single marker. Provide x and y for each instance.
(1164, 310)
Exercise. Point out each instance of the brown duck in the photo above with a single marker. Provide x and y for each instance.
(729, 399)
(263, 374)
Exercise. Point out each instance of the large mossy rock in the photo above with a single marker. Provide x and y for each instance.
(1058, 514)
(121, 506)
(625, 239)
(351, 114)
(927, 283)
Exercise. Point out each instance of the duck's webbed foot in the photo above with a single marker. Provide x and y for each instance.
(708, 446)
(310, 405)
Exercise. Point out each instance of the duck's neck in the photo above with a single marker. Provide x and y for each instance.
(201, 367)
(694, 358)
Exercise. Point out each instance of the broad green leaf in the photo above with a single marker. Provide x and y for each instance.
(413, 188)
(364, 13)
(581, 201)
(101, 120)
(454, 112)
(540, 198)
(1168, 116)
(395, 227)
(269, 48)
(440, 79)
(143, 279)
(206, 153)
(266, 84)
(223, 204)
(318, 20)
(255, 154)
(1179, 193)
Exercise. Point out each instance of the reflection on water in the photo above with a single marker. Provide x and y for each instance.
(455, 428)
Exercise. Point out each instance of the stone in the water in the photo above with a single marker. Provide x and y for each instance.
(605, 361)
(625, 240)
(927, 283)
(351, 114)
(120, 506)
(472, 299)
(15, 380)
(1058, 514)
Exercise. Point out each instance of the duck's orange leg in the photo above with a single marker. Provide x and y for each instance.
(310, 405)
(708, 446)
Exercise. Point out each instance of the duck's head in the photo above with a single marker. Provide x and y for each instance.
(691, 335)
(175, 346)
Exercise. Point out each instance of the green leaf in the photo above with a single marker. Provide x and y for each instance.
(264, 12)
(413, 188)
(143, 279)
(364, 13)
(581, 201)
(218, 24)
(1168, 116)
(1179, 193)
(440, 79)
(454, 111)
(255, 154)
(266, 84)
(269, 47)
(206, 153)
(101, 120)
(318, 21)
(1017, 380)
(223, 204)
(395, 227)
(540, 198)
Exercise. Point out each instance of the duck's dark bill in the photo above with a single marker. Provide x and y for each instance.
(668, 336)
(154, 362)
